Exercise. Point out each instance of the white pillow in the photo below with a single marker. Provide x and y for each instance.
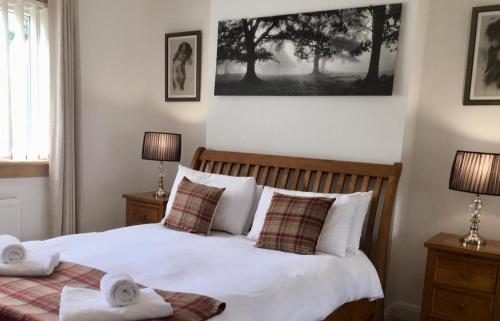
(235, 204)
(358, 221)
(335, 233)
(258, 193)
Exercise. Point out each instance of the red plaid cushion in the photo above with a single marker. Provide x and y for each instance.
(194, 207)
(293, 224)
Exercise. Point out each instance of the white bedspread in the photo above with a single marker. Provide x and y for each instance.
(256, 284)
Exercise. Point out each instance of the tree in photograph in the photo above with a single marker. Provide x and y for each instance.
(313, 36)
(244, 41)
(383, 22)
(323, 36)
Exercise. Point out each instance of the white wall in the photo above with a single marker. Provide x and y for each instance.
(122, 95)
(33, 195)
(443, 125)
(350, 128)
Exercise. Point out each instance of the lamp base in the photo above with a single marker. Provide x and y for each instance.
(160, 192)
(474, 239)
(473, 236)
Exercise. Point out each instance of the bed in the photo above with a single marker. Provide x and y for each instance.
(258, 284)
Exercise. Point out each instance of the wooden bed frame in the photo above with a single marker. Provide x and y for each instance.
(325, 176)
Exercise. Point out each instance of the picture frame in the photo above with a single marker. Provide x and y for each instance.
(482, 79)
(338, 52)
(183, 66)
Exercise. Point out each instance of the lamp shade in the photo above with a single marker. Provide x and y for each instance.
(161, 146)
(477, 173)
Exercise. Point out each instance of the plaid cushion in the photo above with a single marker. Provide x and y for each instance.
(37, 298)
(293, 224)
(194, 207)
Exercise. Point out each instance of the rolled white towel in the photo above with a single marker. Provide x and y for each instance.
(11, 249)
(35, 264)
(119, 290)
(79, 304)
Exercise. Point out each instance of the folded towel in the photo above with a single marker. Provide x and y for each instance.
(34, 264)
(119, 290)
(11, 249)
(79, 304)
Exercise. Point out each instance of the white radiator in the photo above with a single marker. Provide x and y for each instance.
(11, 217)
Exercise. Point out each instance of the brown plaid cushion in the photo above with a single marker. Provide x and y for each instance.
(37, 298)
(293, 224)
(194, 207)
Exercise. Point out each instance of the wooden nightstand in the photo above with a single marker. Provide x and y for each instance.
(144, 208)
(461, 282)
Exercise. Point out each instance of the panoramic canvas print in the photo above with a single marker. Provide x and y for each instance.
(337, 52)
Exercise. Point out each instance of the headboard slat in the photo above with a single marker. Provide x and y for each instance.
(236, 170)
(352, 183)
(203, 165)
(340, 184)
(263, 178)
(210, 166)
(328, 183)
(365, 184)
(295, 179)
(246, 170)
(218, 167)
(274, 178)
(284, 178)
(317, 181)
(307, 174)
(255, 172)
(307, 180)
(226, 168)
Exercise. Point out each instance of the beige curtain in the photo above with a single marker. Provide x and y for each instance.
(62, 160)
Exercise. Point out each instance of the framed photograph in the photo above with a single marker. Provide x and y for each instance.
(482, 80)
(183, 66)
(348, 52)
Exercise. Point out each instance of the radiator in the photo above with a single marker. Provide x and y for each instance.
(11, 216)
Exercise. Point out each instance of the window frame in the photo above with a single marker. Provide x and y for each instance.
(18, 169)
(24, 168)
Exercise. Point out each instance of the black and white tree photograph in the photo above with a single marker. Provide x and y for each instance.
(338, 52)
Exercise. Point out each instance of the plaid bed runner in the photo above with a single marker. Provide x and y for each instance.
(37, 298)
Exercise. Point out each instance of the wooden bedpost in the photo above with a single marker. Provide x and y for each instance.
(196, 162)
(383, 235)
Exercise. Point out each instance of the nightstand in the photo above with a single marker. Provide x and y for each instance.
(144, 208)
(462, 282)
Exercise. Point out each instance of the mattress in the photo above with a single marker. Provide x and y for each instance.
(256, 284)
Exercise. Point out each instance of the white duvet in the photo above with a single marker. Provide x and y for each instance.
(256, 284)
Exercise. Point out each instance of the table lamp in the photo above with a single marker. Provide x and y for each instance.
(477, 173)
(163, 147)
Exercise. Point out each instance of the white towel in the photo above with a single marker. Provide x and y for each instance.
(11, 249)
(34, 264)
(79, 304)
(119, 290)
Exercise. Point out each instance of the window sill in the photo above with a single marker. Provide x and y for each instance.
(16, 169)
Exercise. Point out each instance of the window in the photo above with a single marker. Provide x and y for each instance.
(24, 80)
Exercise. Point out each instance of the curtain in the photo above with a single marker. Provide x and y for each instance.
(62, 164)
(24, 80)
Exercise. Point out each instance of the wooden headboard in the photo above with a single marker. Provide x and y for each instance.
(324, 176)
